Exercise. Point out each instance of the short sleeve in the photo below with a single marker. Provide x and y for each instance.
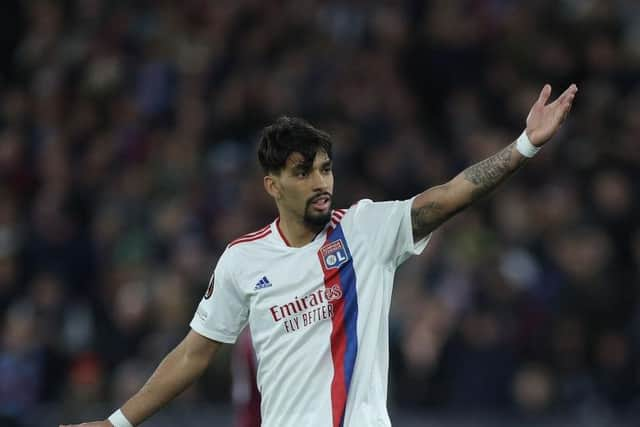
(389, 230)
(223, 311)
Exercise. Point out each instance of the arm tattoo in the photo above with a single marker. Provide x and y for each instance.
(448, 199)
(426, 218)
(487, 174)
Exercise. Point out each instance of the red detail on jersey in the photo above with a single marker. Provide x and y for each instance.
(336, 217)
(338, 344)
(281, 233)
(333, 293)
(255, 232)
(252, 236)
(209, 292)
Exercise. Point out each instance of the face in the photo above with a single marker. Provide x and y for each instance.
(305, 190)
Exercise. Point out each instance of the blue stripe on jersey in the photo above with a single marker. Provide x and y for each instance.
(350, 295)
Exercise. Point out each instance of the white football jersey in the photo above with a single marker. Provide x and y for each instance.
(318, 314)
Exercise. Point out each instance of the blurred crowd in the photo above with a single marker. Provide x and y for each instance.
(128, 134)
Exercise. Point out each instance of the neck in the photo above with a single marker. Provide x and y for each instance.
(296, 232)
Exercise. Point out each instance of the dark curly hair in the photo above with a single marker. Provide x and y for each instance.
(289, 135)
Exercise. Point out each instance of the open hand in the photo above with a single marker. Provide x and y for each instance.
(545, 119)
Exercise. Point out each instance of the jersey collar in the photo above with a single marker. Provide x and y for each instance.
(278, 232)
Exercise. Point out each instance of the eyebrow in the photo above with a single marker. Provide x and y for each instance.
(304, 167)
(301, 167)
(327, 163)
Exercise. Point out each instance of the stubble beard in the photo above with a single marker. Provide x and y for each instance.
(317, 220)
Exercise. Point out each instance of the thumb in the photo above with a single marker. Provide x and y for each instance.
(545, 93)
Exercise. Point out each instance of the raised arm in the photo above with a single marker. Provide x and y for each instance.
(179, 369)
(437, 204)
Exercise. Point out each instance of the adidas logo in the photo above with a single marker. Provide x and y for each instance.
(263, 283)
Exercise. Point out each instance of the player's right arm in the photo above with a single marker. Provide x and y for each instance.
(179, 369)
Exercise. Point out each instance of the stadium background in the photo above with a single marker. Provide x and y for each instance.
(127, 161)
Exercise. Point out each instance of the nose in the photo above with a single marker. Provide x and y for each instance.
(320, 181)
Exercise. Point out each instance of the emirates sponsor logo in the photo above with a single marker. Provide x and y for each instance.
(307, 310)
(333, 293)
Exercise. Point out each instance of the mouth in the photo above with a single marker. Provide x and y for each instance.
(321, 203)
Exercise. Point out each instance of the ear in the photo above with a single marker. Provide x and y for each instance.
(272, 186)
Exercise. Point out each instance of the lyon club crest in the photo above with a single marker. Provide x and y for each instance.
(333, 255)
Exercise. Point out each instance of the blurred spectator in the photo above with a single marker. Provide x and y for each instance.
(245, 394)
(21, 361)
(127, 164)
(533, 389)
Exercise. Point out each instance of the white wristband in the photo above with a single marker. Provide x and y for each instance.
(119, 420)
(525, 147)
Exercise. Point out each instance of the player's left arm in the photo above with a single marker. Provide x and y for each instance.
(437, 204)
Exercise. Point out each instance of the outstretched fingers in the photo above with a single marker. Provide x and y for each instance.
(544, 119)
(545, 93)
(539, 105)
(565, 101)
(567, 96)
